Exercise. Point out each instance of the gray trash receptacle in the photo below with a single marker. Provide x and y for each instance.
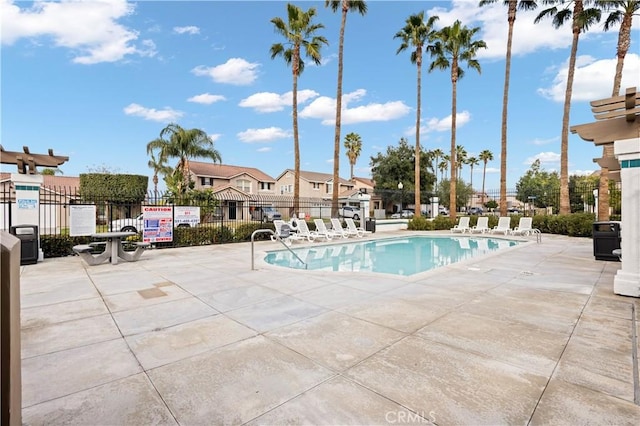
(28, 236)
(606, 239)
(370, 224)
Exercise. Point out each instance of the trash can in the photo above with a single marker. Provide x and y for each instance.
(606, 239)
(28, 236)
(370, 224)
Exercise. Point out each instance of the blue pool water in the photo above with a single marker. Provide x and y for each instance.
(399, 256)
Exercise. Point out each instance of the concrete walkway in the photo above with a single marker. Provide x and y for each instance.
(192, 336)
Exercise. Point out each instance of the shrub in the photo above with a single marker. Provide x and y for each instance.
(443, 222)
(60, 245)
(420, 224)
(244, 231)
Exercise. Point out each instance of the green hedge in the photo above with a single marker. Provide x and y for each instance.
(573, 225)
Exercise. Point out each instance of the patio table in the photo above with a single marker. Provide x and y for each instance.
(113, 248)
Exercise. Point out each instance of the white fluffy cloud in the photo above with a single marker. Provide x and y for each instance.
(186, 30)
(324, 108)
(89, 28)
(545, 158)
(545, 141)
(272, 102)
(593, 78)
(206, 98)
(160, 115)
(267, 134)
(236, 71)
(440, 124)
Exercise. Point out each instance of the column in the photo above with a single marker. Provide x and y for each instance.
(627, 280)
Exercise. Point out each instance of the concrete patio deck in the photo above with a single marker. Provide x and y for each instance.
(192, 336)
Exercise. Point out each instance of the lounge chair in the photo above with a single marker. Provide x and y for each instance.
(353, 229)
(462, 226)
(482, 226)
(525, 227)
(503, 227)
(322, 231)
(336, 227)
(286, 236)
(303, 232)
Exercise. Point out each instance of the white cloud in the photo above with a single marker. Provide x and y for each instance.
(593, 78)
(581, 172)
(236, 71)
(324, 61)
(545, 141)
(89, 28)
(440, 125)
(206, 98)
(162, 115)
(491, 169)
(544, 157)
(324, 108)
(267, 134)
(264, 149)
(271, 102)
(215, 136)
(186, 30)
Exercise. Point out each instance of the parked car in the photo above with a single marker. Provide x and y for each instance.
(350, 211)
(265, 214)
(135, 224)
(442, 210)
(406, 214)
(476, 210)
(513, 210)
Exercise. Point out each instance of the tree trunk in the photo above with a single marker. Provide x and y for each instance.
(418, 208)
(454, 107)
(296, 142)
(484, 174)
(336, 141)
(565, 207)
(511, 18)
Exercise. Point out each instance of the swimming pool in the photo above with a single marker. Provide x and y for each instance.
(398, 256)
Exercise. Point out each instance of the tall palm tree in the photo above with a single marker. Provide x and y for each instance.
(415, 34)
(443, 166)
(299, 32)
(471, 162)
(486, 156)
(157, 163)
(513, 6)
(346, 6)
(437, 154)
(581, 20)
(455, 45)
(353, 145)
(620, 12)
(184, 144)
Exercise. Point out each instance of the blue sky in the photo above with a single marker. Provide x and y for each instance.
(97, 81)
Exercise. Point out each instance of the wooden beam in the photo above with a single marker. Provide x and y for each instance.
(618, 113)
(608, 131)
(614, 99)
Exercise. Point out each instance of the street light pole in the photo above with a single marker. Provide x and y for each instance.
(400, 187)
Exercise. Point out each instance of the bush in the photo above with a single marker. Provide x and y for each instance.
(244, 231)
(420, 224)
(60, 245)
(443, 222)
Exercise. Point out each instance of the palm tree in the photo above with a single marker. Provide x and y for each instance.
(471, 162)
(346, 6)
(415, 34)
(437, 154)
(157, 163)
(299, 32)
(353, 145)
(581, 19)
(486, 156)
(620, 11)
(513, 6)
(461, 158)
(183, 144)
(443, 166)
(455, 44)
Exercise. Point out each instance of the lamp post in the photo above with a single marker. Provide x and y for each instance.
(400, 187)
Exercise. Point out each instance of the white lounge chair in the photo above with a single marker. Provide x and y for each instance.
(322, 231)
(481, 226)
(353, 229)
(503, 227)
(462, 226)
(525, 227)
(286, 237)
(303, 232)
(336, 227)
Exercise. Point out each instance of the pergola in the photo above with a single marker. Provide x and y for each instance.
(618, 124)
(27, 162)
